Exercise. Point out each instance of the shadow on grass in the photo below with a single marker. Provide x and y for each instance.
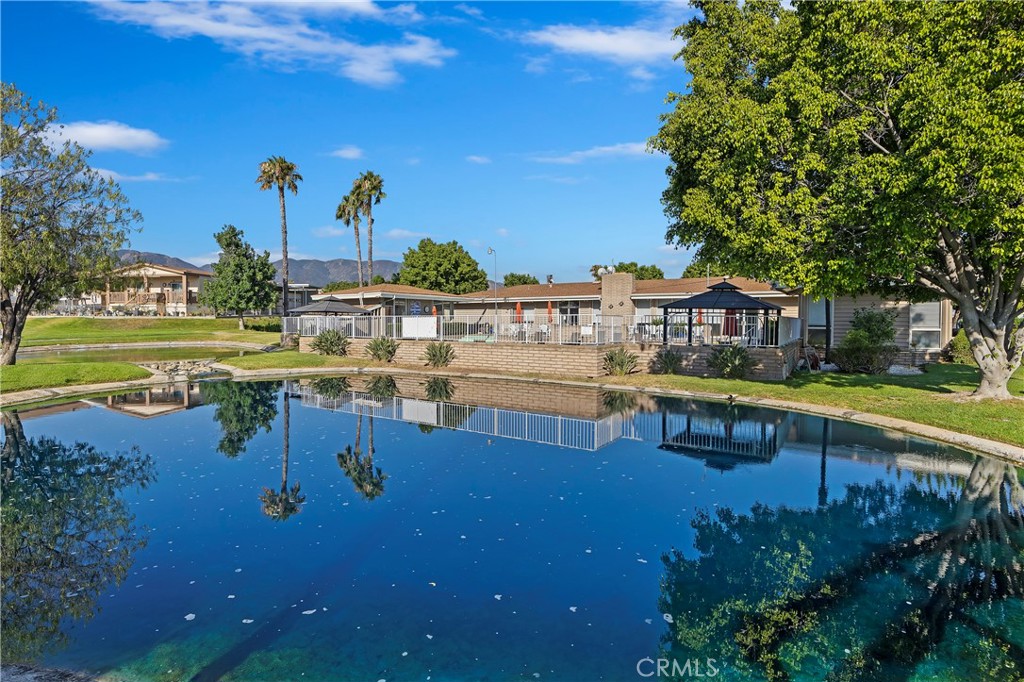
(937, 378)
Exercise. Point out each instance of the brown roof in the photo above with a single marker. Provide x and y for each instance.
(642, 288)
(392, 289)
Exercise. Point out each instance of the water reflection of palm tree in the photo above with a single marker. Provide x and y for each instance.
(367, 479)
(66, 533)
(284, 503)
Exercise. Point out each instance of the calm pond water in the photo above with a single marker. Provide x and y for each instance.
(405, 529)
(136, 354)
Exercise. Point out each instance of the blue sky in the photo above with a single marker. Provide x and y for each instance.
(519, 126)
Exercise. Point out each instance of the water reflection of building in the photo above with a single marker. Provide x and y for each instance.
(156, 401)
(538, 426)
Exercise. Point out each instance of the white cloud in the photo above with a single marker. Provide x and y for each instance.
(108, 136)
(288, 35)
(501, 232)
(330, 231)
(668, 248)
(473, 158)
(474, 12)
(349, 151)
(622, 150)
(145, 177)
(414, 161)
(642, 73)
(404, 234)
(204, 258)
(619, 44)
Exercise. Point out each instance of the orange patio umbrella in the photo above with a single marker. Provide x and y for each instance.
(519, 311)
(550, 317)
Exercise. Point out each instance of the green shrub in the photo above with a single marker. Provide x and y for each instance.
(667, 361)
(879, 325)
(731, 362)
(330, 342)
(620, 362)
(382, 348)
(860, 352)
(439, 354)
(958, 350)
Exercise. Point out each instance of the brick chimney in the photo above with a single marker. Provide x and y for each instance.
(616, 289)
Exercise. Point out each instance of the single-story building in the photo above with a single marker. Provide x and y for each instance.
(159, 289)
(922, 329)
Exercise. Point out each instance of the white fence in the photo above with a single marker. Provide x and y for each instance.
(696, 330)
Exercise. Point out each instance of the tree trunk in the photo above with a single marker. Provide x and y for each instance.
(359, 249)
(12, 317)
(997, 352)
(284, 450)
(369, 243)
(284, 257)
(241, 324)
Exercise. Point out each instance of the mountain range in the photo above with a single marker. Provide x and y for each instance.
(300, 271)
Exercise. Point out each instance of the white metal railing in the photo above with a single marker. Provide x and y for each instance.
(568, 432)
(586, 329)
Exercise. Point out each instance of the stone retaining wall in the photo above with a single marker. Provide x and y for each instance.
(582, 361)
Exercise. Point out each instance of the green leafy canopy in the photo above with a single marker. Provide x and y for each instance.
(442, 267)
(242, 280)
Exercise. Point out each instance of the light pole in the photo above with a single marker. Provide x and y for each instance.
(492, 252)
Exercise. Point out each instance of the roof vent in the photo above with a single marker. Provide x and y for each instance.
(551, 280)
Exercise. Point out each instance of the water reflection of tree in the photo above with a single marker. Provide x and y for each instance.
(330, 388)
(367, 479)
(857, 584)
(243, 408)
(65, 534)
(282, 504)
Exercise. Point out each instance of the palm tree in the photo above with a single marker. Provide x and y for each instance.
(278, 172)
(348, 213)
(279, 505)
(369, 188)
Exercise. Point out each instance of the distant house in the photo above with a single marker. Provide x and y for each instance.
(154, 289)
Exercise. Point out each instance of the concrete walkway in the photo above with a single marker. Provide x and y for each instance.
(975, 443)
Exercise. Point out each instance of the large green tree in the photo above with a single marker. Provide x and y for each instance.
(514, 279)
(61, 223)
(442, 267)
(704, 267)
(368, 188)
(242, 280)
(348, 212)
(638, 271)
(856, 147)
(281, 173)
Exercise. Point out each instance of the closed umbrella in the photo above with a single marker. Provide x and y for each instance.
(433, 310)
(519, 311)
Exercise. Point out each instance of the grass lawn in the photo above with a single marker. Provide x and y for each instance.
(930, 398)
(292, 359)
(22, 377)
(45, 331)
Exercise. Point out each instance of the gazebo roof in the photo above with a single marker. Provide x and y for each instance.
(329, 306)
(721, 296)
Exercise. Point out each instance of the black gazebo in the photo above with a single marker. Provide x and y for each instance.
(727, 298)
(328, 306)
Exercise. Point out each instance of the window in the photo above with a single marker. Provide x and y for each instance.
(569, 312)
(816, 324)
(926, 325)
